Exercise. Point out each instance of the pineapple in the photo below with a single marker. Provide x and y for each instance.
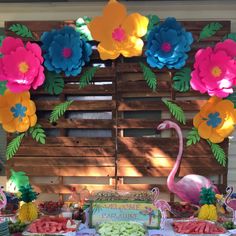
(208, 209)
(28, 210)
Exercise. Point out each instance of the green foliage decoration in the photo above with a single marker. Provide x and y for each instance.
(27, 193)
(182, 80)
(218, 153)
(54, 83)
(59, 111)
(14, 145)
(38, 133)
(87, 76)
(210, 30)
(207, 196)
(193, 137)
(3, 87)
(21, 30)
(149, 76)
(175, 110)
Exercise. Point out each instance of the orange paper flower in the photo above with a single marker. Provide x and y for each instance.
(117, 32)
(216, 119)
(17, 112)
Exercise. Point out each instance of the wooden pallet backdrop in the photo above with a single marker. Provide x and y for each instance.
(107, 139)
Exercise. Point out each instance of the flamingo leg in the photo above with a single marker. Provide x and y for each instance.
(163, 219)
(234, 217)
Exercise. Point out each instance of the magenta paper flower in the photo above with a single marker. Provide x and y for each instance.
(215, 69)
(21, 66)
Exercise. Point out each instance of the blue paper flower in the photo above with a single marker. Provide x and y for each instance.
(65, 51)
(167, 45)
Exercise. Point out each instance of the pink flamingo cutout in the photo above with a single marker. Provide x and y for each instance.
(162, 205)
(189, 187)
(231, 203)
(3, 199)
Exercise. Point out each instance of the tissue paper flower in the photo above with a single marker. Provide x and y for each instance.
(17, 112)
(216, 119)
(21, 66)
(64, 51)
(168, 44)
(117, 32)
(215, 69)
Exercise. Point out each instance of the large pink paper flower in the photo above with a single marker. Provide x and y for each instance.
(21, 66)
(215, 69)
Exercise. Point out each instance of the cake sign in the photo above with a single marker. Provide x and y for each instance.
(142, 212)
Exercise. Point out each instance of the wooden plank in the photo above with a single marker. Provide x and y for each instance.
(158, 105)
(66, 189)
(43, 161)
(69, 151)
(74, 89)
(146, 123)
(169, 162)
(70, 142)
(78, 123)
(164, 172)
(105, 105)
(65, 171)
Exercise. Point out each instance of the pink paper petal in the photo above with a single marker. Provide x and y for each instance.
(229, 46)
(10, 44)
(36, 50)
(17, 88)
(40, 79)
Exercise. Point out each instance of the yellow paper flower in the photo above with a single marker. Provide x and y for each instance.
(216, 119)
(17, 112)
(117, 32)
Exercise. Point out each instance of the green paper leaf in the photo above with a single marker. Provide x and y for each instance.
(87, 76)
(182, 80)
(3, 87)
(149, 76)
(1, 39)
(154, 20)
(192, 137)
(21, 30)
(230, 36)
(54, 83)
(59, 111)
(210, 30)
(19, 178)
(38, 133)
(232, 98)
(176, 111)
(82, 28)
(218, 153)
(14, 145)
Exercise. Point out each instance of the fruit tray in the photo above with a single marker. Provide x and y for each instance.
(225, 233)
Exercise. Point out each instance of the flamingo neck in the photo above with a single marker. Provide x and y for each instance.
(171, 177)
(228, 196)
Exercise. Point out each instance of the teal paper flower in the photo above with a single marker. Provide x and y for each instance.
(65, 51)
(168, 44)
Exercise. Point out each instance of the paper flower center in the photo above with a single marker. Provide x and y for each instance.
(216, 71)
(166, 47)
(119, 34)
(67, 52)
(214, 119)
(18, 111)
(23, 67)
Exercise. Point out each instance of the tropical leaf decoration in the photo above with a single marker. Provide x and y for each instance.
(1, 39)
(82, 28)
(3, 87)
(54, 83)
(218, 153)
(182, 80)
(149, 76)
(21, 30)
(154, 20)
(232, 98)
(38, 133)
(230, 36)
(19, 178)
(59, 111)
(176, 111)
(210, 30)
(193, 137)
(14, 145)
(87, 76)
